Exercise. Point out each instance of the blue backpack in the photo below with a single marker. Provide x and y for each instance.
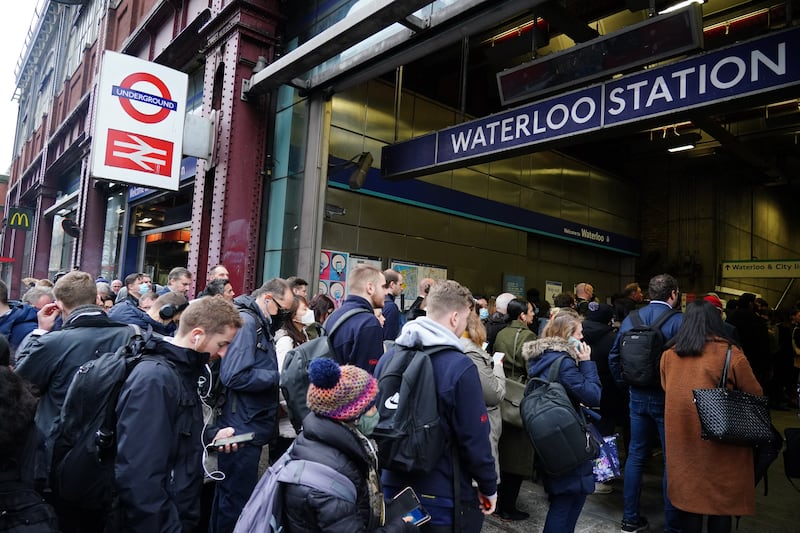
(264, 510)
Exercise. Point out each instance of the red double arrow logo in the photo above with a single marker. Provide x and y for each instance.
(139, 152)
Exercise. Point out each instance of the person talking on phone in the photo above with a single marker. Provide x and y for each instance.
(336, 433)
(563, 335)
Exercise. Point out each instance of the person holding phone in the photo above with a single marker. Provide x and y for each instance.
(336, 433)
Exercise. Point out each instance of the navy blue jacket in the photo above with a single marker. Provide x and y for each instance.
(391, 314)
(647, 315)
(464, 421)
(19, 321)
(249, 372)
(359, 341)
(158, 471)
(128, 312)
(583, 386)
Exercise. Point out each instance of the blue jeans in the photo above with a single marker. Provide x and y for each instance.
(647, 424)
(563, 513)
(232, 493)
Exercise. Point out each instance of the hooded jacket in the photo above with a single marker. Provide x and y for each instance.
(333, 444)
(464, 421)
(159, 469)
(17, 323)
(582, 384)
(249, 372)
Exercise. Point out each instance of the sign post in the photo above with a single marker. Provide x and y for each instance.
(782, 268)
(139, 118)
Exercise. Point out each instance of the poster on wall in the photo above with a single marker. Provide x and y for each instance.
(551, 289)
(412, 274)
(514, 284)
(333, 275)
(356, 260)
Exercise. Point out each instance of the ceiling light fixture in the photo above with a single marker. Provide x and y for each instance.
(680, 5)
(145, 220)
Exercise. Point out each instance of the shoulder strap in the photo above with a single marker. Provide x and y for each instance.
(663, 319)
(636, 320)
(555, 369)
(344, 317)
(318, 476)
(723, 379)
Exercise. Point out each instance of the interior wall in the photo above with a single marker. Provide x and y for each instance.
(476, 253)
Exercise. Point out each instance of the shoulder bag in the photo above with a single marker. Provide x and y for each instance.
(515, 390)
(732, 416)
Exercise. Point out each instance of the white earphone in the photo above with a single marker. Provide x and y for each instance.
(196, 338)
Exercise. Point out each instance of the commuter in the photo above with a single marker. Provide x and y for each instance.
(482, 307)
(584, 293)
(21, 504)
(323, 307)
(136, 285)
(564, 300)
(16, 319)
(38, 297)
(165, 314)
(730, 329)
(706, 478)
(158, 472)
(116, 285)
(578, 374)
(179, 281)
(417, 308)
(359, 341)
(249, 373)
(541, 309)
(147, 300)
(49, 359)
(336, 434)
(516, 451)
(497, 320)
(391, 313)
(299, 286)
(5, 352)
(599, 335)
(463, 417)
(493, 380)
(220, 287)
(646, 407)
(292, 332)
(215, 272)
(630, 299)
(753, 335)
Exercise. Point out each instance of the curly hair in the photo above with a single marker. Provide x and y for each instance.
(17, 409)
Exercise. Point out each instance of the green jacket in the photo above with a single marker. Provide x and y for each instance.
(509, 341)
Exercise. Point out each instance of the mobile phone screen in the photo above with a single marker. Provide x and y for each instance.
(418, 516)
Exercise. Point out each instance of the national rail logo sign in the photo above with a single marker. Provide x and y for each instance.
(139, 120)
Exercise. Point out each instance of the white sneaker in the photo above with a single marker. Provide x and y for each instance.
(602, 488)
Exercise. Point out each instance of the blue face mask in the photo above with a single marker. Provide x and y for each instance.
(483, 313)
(144, 288)
(367, 423)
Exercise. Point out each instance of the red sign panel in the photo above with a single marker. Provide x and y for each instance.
(135, 151)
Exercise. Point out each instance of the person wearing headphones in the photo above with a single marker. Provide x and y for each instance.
(165, 313)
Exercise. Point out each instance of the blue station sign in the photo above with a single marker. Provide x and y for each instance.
(760, 65)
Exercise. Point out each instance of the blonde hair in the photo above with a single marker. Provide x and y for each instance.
(446, 296)
(211, 314)
(562, 323)
(361, 275)
(76, 288)
(476, 331)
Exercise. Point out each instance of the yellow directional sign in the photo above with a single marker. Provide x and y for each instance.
(782, 268)
(19, 218)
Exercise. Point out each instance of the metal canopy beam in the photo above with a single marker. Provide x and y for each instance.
(349, 31)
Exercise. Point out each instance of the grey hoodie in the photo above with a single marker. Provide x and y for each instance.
(425, 332)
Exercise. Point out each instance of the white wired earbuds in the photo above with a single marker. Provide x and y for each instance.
(216, 475)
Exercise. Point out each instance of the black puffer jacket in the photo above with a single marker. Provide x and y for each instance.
(332, 443)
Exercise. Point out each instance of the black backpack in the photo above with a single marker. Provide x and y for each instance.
(85, 443)
(559, 434)
(409, 434)
(640, 350)
(294, 374)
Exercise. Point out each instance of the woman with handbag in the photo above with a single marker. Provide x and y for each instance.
(516, 452)
(704, 477)
(578, 375)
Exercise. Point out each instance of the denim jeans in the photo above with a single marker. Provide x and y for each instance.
(647, 424)
(563, 513)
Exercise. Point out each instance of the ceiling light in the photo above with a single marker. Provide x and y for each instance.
(145, 220)
(681, 148)
(680, 143)
(680, 5)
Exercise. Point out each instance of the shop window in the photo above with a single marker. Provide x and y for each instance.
(110, 267)
(61, 244)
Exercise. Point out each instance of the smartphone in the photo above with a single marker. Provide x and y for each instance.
(406, 503)
(576, 343)
(236, 439)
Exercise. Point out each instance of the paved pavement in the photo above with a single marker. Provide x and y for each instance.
(777, 512)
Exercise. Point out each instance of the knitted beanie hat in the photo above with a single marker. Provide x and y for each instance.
(340, 392)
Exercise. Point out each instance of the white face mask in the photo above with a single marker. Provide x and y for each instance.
(308, 318)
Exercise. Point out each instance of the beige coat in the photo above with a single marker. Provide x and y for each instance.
(493, 383)
(705, 477)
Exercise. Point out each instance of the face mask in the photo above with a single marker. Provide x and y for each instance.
(144, 288)
(483, 313)
(308, 318)
(366, 424)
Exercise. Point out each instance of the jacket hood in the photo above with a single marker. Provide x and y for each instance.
(498, 318)
(593, 331)
(245, 301)
(425, 332)
(533, 350)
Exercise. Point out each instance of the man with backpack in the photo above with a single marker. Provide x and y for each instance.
(249, 374)
(50, 360)
(158, 470)
(632, 364)
(359, 340)
(446, 488)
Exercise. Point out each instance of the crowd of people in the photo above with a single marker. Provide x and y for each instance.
(217, 375)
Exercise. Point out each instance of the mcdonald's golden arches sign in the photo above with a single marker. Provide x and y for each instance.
(19, 218)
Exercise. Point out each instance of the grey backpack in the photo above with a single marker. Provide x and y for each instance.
(264, 512)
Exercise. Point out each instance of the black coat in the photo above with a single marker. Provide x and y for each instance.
(332, 443)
